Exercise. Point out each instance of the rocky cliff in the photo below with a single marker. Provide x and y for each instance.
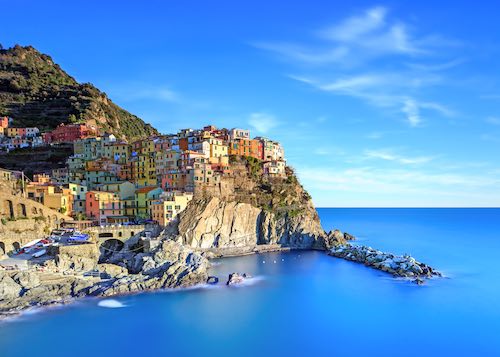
(35, 91)
(169, 265)
(246, 211)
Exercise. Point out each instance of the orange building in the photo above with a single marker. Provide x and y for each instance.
(4, 123)
(246, 147)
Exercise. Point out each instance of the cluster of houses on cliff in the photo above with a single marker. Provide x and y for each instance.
(109, 181)
(30, 137)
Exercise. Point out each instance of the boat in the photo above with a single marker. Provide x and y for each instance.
(78, 238)
(39, 253)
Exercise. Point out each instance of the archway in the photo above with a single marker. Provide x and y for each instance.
(109, 247)
(34, 211)
(21, 210)
(9, 209)
(16, 246)
(2, 248)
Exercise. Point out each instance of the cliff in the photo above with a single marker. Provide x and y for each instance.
(35, 91)
(248, 211)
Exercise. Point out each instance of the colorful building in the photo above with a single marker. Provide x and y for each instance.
(169, 206)
(68, 133)
(143, 198)
(102, 206)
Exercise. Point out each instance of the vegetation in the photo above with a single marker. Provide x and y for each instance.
(35, 91)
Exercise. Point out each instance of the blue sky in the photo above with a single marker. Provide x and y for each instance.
(391, 103)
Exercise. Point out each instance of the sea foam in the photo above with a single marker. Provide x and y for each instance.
(111, 304)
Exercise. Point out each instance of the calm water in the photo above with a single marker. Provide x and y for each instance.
(305, 303)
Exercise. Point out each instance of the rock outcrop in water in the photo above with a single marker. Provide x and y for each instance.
(403, 266)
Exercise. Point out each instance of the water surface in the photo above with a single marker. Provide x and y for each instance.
(304, 303)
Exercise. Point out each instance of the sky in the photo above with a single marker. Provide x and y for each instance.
(377, 104)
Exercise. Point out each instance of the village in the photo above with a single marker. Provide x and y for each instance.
(108, 181)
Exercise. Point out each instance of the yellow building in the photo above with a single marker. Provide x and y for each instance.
(145, 170)
(59, 201)
(169, 206)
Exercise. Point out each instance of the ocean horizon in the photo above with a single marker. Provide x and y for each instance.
(304, 302)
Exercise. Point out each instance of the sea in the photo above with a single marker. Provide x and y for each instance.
(303, 303)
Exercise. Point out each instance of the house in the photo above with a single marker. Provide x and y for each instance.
(68, 133)
(275, 168)
(239, 134)
(143, 198)
(123, 189)
(169, 206)
(100, 205)
(79, 193)
(61, 201)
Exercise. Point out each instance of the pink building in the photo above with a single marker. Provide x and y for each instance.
(69, 133)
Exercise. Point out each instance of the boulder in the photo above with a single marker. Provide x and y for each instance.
(9, 289)
(235, 278)
(112, 270)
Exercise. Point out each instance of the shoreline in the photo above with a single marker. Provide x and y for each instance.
(337, 252)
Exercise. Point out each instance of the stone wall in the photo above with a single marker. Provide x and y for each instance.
(23, 220)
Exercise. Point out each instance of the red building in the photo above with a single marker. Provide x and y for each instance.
(69, 133)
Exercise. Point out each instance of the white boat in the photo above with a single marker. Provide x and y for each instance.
(33, 242)
(39, 253)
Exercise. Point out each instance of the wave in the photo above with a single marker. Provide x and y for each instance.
(111, 304)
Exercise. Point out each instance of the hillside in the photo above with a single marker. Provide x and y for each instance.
(35, 91)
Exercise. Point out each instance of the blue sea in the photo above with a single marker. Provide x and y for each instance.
(304, 303)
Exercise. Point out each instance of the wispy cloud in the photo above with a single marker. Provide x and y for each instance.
(389, 155)
(333, 186)
(263, 122)
(354, 43)
(493, 120)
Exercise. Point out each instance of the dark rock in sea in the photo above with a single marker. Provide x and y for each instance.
(212, 280)
(235, 278)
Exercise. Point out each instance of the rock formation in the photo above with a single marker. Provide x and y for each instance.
(247, 211)
(170, 265)
(400, 266)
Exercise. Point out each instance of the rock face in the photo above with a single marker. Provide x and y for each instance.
(400, 266)
(248, 210)
(77, 258)
(215, 223)
(170, 265)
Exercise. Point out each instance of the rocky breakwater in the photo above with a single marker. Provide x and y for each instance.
(61, 280)
(403, 266)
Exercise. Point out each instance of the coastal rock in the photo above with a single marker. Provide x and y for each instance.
(218, 224)
(400, 266)
(9, 289)
(27, 279)
(82, 257)
(236, 278)
(112, 270)
(335, 237)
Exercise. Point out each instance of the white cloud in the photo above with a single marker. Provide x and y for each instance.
(353, 43)
(388, 155)
(493, 120)
(263, 122)
(411, 109)
(359, 186)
